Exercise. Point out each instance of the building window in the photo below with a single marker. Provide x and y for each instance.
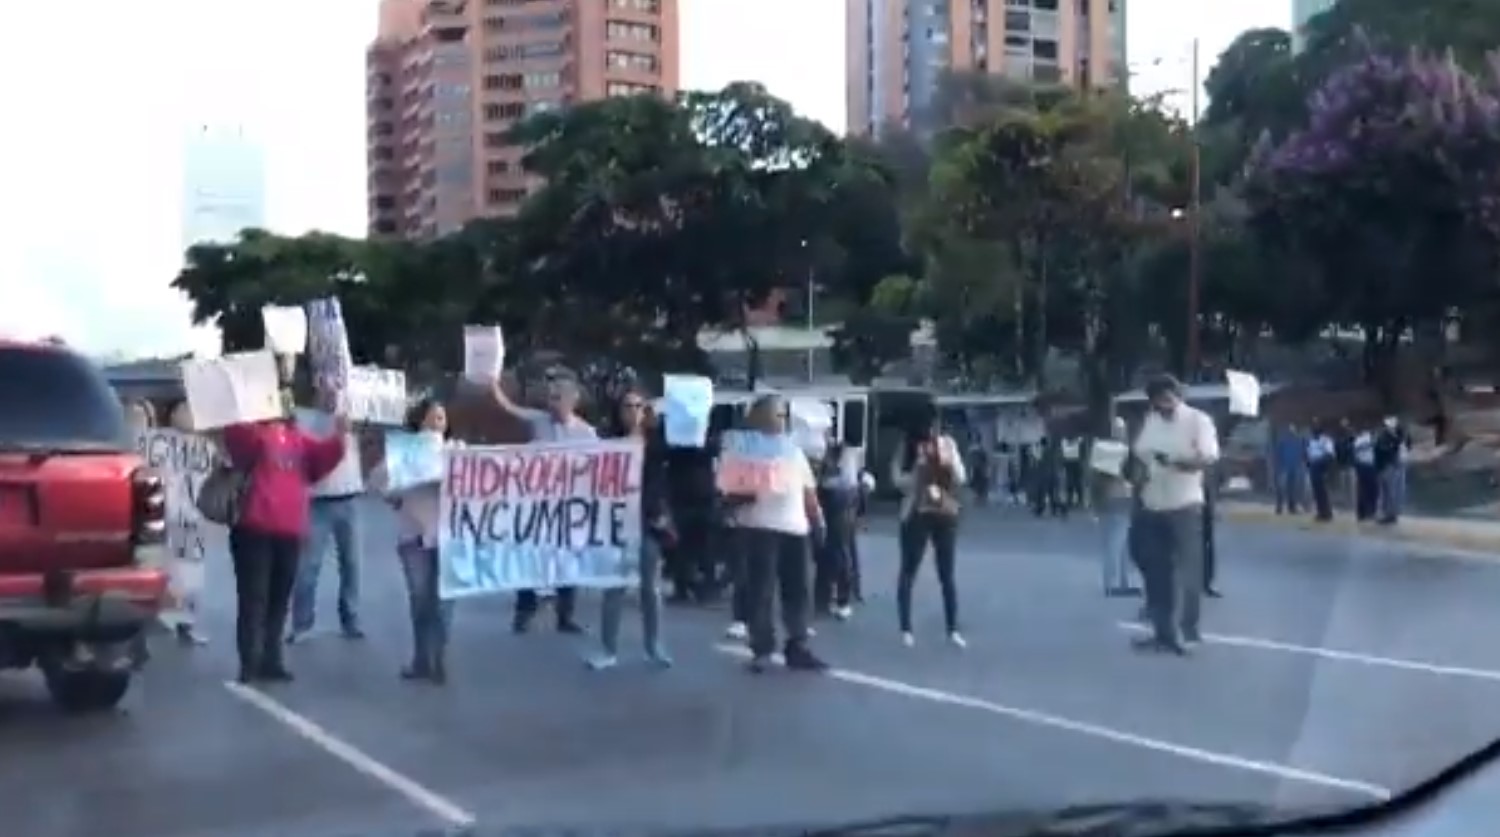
(545, 50)
(496, 168)
(542, 106)
(1044, 50)
(648, 6)
(626, 88)
(617, 30)
(1046, 73)
(535, 81)
(1045, 5)
(1017, 22)
(496, 139)
(631, 61)
(504, 196)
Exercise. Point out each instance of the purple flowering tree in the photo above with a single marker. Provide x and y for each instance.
(1392, 191)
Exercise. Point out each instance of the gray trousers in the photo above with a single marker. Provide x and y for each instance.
(613, 603)
(775, 567)
(1170, 545)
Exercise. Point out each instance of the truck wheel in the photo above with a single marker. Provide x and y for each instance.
(87, 691)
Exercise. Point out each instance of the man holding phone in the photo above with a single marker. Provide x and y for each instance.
(1177, 443)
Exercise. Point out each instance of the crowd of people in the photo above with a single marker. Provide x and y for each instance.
(1315, 460)
(792, 550)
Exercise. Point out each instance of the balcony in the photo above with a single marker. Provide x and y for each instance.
(446, 19)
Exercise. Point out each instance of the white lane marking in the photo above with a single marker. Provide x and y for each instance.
(1043, 719)
(1342, 656)
(360, 761)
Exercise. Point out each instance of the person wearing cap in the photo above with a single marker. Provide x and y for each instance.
(1176, 444)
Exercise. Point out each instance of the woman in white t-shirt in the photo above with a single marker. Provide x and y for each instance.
(775, 519)
(929, 471)
(417, 546)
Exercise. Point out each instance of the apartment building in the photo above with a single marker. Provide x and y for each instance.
(897, 49)
(447, 80)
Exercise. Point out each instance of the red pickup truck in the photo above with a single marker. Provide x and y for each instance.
(82, 529)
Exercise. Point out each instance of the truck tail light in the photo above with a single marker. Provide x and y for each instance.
(148, 516)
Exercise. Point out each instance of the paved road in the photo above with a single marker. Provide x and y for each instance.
(1337, 669)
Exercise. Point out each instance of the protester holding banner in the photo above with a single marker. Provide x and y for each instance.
(929, 471)
(633, 422)
(334, 527)
(280, 464)
(766, 479)
(557, 423)
(417, 510)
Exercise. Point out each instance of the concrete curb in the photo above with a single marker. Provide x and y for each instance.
(1476, 540)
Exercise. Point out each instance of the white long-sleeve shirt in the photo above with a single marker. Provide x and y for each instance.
(904, 480)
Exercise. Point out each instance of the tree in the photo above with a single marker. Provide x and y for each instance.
(1390, 192)
(228, 284)
(1346, 32)
(669, 217)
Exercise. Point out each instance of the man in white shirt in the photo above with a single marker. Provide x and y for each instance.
(1177, 443)
(335, 526)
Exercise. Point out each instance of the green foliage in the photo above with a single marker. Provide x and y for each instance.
(1348, 183)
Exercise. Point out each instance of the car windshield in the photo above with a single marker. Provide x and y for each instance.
(624, 416)
(56, 400)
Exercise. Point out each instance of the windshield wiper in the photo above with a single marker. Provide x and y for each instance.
(1137, 819)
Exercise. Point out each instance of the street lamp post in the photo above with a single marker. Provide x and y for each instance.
(1195, 263)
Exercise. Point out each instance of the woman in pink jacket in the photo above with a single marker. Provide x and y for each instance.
(281, 462)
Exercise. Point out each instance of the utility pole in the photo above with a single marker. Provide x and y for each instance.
(1195, 262)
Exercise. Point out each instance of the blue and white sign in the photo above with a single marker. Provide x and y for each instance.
(412, 459)
(687, 401)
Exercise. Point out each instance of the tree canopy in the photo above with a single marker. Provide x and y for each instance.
(1352, 183)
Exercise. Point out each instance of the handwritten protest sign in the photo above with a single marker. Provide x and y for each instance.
(754, 464)
(810, 422)
(232, 389)
(184, 460)
(375, 395)
(412, 459)
(1244, 393)
(686, 402)
(484, 353)
(286, 328)
(519, 517)
(1108, 457)
(328, 354)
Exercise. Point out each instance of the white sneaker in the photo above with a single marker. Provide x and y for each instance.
(908, 639)
(737, 630)
(843, 613)
(957, 640)
(811, 631)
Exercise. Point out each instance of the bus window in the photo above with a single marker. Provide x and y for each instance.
(853, 423)
(834, 417)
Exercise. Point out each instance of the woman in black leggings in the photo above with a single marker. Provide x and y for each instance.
(930, 472)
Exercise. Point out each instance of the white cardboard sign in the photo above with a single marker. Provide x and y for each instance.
(232, 389)
(484, 353)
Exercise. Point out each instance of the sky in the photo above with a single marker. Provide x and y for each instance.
(95, 133)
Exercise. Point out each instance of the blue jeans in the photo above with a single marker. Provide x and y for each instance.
(614, 603)
(431, 617)
(1115, 519)
(1392, 492)
(335, 525)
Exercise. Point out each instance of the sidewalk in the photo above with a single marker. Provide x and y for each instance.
(1476, 536)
